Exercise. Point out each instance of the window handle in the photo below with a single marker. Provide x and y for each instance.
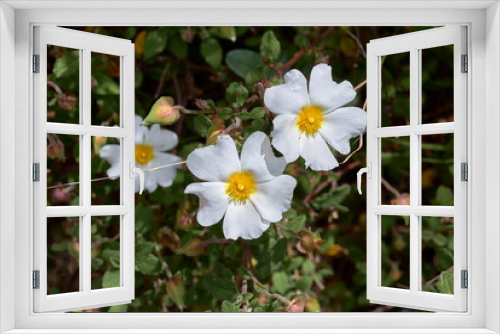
(368, 171)
(135, 170)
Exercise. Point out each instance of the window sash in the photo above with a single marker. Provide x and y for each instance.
(85, 297)
(413, 43)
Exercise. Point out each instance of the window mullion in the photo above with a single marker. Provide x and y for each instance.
(414, 170)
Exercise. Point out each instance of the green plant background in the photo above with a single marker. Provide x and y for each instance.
(315, 258)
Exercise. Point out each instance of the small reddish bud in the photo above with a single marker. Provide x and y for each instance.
(176, 290)
(60, 196)
(297, 304)
(404, 199)
(67, 101)
(312, 305)
(194, 247)
(185, 218)
(55, 147)
(308, 242)
(163, 112)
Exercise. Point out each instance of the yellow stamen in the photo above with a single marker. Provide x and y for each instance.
(310, 119)
(240, 186)
(144, 153)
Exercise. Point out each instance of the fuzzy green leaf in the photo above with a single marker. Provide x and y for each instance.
(154, 43)
(211, 51)
(270, 47)
(242, 61)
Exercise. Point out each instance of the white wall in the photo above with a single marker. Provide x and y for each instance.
(492, 167)
(7, 159)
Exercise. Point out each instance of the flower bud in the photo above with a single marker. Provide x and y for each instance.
(176, 290)
(66, 101)
(98, 142)
(163, 112)
(312, 305)
(404, 199)
(55, 147)
(297, 304)
(185, 218)
(308, 242)
(194, 247)
(60, 196)
(214, 132)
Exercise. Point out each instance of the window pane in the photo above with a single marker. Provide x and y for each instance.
(105, 252)
(437, 254)
(63, 169)
(63, 249)
(63, 84)
(395, 170)
(437, 169)
(106, 169)
(395, 94)
(395, 254)
(105, 89)
(437, 84)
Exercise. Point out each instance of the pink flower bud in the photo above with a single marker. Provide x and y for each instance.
(308, 242)
(60, 196)
(67, 101)
(163, 112)
(176, 290)
(55, 147)
(297, 304)
(194, 247)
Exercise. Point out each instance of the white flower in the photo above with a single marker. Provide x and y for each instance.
(150, 147)
(307, 121)
(249, 193)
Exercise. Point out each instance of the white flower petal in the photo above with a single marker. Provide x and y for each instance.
(215, 162)
(286, 136)
(274, 197)
(213, 201)
(150, 183)
(327, 93)
(112, 154)
(161, 139)
(289, 97)
(342, 125)
(242, 220)
(316, 153)
(165, 176)
(140, 131)
(258, 157)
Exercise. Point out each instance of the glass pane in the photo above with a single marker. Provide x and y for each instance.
(63, 267)
(395, 94)
(63, 169)
(105, 91)
(105, 252)
(437, 254)
(63, 84)
(105, 171)
(395, 254)
(437, 84)
(437, 169)
(395, 170)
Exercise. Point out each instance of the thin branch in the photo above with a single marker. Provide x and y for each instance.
(244, 289)
(354, 152)
(390, 188)
(436, 278)
(164, 264)
(358, 42)
(162, 80)
(360, 85)
(267, 293)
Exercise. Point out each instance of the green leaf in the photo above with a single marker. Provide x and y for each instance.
(115, 261)
(333, 199)
(445, 258)
(295, 224)
(111, 279)
(201, 124)
(225, 113)
(242, 61)
(280, 282)
(178, 47)
(258, 113)
(427, 235)
(221, 288)
(236, 94)
(251, 79)
(445, 283)
(270, 47)
(154, 43)
(279, 250)
(143, 249)
(143, 218)
(211, 51)
(305, 283)
(227, 306)
(444, 196)
(67, 65)
(247, 296)
(118, 308)
(148, 265)
(106, 85)
(439, 239)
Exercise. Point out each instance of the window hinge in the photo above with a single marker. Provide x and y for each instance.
(464, 171)
(36, 63)
(464, 279)
(465, 64)
(36, 172)
(36, 279)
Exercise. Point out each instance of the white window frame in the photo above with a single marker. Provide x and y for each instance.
(85, 43)
(413, 44)
(483, 20)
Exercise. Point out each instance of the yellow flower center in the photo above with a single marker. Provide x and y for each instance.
(240, 186)
(144, 153)
(310, 120)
